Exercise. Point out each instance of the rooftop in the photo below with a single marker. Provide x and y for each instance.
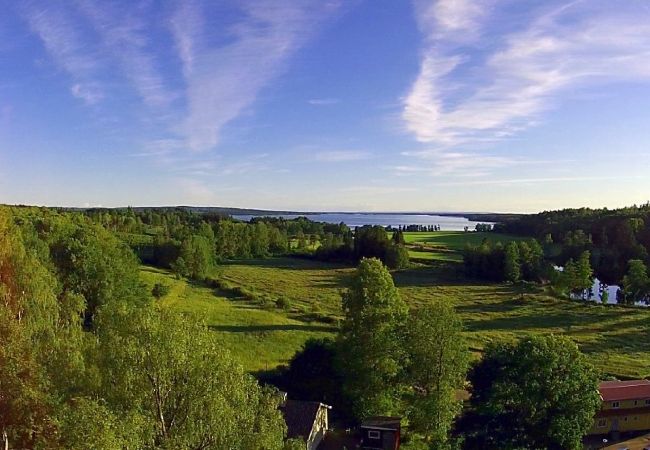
(624, 390)
(386, 422)
(300, 417)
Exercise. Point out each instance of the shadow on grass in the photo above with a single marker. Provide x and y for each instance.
(287, 263)
(263, 328)
(435, 273)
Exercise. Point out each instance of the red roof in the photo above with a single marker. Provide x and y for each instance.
(612, 391)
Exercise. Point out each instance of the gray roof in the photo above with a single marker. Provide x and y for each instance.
(300, 417)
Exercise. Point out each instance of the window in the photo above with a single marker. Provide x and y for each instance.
(374, 434)
(636, 402)
(647, 402)
(616, 405)
(625, 419)
(602, 423)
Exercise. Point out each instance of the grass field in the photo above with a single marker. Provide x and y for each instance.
(615, 338)
(259, 338)
(447, 245)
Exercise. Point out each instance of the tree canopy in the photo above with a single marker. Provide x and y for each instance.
(540, 393)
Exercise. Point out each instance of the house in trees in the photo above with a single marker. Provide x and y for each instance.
(625, 408)
(381, 433)
(306, 420)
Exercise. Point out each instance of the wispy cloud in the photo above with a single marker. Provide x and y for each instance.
(195, 191)
(341, 156)
(223, 81)
(192, 77)
(323, 101)
(126, 36)
(535, 180)
(457, 164)
(509, 80)
(69, 50)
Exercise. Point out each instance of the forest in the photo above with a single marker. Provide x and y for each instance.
(93, 357)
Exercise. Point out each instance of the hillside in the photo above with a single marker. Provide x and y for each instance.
(262, 337)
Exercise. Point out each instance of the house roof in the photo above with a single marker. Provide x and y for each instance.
(382, 422)
(300, 417)
(624, 390)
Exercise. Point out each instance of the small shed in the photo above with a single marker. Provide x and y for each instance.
(381, 433)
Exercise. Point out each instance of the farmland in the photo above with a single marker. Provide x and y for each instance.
(447, 245)
(263, 336)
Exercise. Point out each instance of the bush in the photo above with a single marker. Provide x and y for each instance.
(283, 303)
(160, 290)
(267, 302)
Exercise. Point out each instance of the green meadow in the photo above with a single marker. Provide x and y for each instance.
(260, 338)
(447, 245)
(289, 300)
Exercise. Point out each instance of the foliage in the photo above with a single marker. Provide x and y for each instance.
(142, 376)
(160, 290)
(540, 393)
(512, 264)
(92, 263)
(170, 370)
(438, 359)
(612, 236)
(517, 260)
(577, 276)
(397, 257)
(313, 375)
(373, 242)
(636, 283)
(195, 260)
(371, 345)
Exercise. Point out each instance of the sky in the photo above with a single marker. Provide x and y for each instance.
(326, 105)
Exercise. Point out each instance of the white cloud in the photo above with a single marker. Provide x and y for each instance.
(223, 81)
(458, 164)
(125, 34)
(87, 92)
(509, 83)
(60, 37)
(323, 101)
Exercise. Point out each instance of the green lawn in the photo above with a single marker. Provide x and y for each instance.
(447, 245)
(615, 338)
(259, 338)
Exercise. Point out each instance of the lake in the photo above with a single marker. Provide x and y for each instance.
(446, 223)
(599, 291)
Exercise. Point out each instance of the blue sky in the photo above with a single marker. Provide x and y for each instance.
(376, 105)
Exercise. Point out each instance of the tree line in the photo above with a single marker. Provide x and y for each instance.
(613, 237)
(191, 243)
(90, 360)
(528, 260)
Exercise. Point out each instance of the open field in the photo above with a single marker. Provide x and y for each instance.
(447, 245)
(615, 338)
(261, 339)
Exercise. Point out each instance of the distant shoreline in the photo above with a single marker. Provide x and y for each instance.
(470, 215)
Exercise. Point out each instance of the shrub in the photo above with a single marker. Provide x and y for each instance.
(283, 303)
(160, 290)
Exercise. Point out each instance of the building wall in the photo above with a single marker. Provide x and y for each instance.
(626, 415)
(625, 404)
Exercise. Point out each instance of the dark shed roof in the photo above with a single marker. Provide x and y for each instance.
(384, 422)
(300, 417)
